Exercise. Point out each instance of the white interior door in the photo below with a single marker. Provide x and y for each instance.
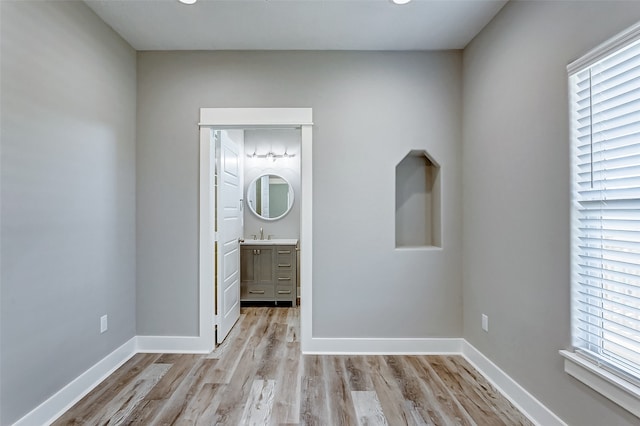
(229, 232)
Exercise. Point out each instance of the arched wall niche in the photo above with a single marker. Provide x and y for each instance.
(418, 201)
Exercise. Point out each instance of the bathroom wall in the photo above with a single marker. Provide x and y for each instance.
(277, 140)
(68, 103)
(516, 194)
(369, 110)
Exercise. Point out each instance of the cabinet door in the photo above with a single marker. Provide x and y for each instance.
(264, 266)
(257, 274)
(247, 269)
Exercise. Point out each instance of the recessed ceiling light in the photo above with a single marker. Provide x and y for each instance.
(187, 1)
(400, 1)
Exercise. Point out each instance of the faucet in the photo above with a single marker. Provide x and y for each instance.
(261, 234)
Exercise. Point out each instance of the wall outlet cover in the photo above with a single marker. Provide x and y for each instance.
(485, 322)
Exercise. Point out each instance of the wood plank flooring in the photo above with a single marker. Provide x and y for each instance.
(258, 377)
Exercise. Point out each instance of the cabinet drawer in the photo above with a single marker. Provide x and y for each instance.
(284, 264)
(284, 277)
(257, 292)
(285, 293)
(285, 250)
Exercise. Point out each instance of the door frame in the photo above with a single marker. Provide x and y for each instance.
(238, 118)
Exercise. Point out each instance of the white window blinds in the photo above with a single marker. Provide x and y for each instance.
(605, 118)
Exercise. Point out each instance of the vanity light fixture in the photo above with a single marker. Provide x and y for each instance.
(400, 1)
(271, 155)
(187, 1)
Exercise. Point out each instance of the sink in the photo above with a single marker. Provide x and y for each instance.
(275, 241)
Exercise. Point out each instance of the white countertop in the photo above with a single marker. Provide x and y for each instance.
(275, 241)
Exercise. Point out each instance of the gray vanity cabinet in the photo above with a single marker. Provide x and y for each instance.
(268, 273)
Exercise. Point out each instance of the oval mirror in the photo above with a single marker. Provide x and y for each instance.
(270, 196)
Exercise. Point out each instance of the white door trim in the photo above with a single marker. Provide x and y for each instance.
(220, 118)
(206, 273)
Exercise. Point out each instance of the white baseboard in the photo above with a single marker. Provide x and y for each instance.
(172, 345)
(382, 346)
(65, 398)
(523, 400)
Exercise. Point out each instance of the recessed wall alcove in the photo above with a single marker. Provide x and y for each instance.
(418, 201)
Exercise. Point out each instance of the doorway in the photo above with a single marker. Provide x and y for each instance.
(212, 119)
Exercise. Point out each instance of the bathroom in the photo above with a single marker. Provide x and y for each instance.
(271, 216)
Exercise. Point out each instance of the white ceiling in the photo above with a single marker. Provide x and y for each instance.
(297, 24)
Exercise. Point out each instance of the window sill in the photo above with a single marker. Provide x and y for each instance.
(618, 390)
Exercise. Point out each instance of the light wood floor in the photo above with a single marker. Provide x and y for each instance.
(259, 377)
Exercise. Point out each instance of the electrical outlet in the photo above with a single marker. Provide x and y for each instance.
(103, 324)
(485, 323)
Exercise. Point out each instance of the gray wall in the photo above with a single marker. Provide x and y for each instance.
(516, 194)
(370, 109)
(68, 204)
(279, 139)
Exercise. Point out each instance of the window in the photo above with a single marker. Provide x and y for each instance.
(605, 251)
